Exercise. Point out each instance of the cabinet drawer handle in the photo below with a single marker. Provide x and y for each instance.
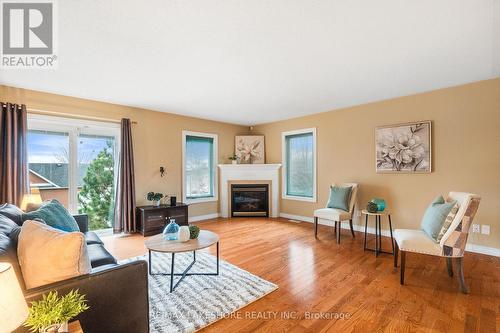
(154, 217)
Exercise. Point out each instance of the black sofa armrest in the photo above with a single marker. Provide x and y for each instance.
(83, 222)
(117, 297)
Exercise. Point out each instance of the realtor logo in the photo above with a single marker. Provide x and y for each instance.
(28, 31)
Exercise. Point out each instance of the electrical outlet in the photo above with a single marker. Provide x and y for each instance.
(485, 229)
(476, 228)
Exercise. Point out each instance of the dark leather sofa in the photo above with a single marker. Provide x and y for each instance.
(117, 293)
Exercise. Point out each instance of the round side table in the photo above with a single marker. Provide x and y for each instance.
(378, 231)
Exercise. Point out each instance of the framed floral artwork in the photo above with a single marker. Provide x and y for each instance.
(404, 148)
(250, 149)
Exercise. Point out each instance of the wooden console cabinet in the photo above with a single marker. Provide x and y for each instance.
(152, 219)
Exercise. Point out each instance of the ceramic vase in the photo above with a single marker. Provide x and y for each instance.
(63, 328)
(51, 329)
(380, 204)
(184, 233)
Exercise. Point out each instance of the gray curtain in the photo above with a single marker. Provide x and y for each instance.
(13, 154)
(125, 192)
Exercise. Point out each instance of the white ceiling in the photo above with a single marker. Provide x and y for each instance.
(257, 61)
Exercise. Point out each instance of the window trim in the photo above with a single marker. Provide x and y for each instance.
(284, 167)
(215, 159)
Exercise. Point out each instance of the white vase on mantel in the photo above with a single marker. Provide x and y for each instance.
(234, 162)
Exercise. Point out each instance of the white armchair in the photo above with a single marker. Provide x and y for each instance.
(451, 246)
(337, 215)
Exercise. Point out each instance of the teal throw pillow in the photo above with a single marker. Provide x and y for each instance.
(435, 215)
(55, 215)
(340, 197)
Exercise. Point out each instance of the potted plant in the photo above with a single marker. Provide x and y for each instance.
(155, 197)
(233, 159)
(52, 313)
(194, 231)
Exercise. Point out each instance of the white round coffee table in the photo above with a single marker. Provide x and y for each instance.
(159, 244)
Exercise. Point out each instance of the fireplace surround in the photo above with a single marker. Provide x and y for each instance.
(249, 174)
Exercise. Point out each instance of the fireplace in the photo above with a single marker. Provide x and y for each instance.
(232, 174)
(249, 200)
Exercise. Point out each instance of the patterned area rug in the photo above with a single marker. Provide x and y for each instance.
(198, 300)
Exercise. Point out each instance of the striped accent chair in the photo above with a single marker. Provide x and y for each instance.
(451, 245)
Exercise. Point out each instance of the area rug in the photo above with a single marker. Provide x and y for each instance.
(198, 300)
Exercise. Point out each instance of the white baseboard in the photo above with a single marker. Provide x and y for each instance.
(492, 251)
(203, 217)
(297, 217)
(344, 225)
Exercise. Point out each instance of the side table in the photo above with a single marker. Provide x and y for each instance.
(378, 231)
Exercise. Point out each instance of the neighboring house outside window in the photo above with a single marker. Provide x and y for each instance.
(199, 166)
(299, 165)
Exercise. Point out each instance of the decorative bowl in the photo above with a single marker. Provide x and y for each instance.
(380, 204)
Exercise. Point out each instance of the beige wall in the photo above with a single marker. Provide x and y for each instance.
(466, 148)
(157, 138)
(466, 153)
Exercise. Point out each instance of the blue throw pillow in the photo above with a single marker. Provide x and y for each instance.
(340, 197)
(55, 215)
(435, 215)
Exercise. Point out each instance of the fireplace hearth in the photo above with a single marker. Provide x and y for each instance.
(249, 200)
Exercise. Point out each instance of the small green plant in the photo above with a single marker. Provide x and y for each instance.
(152, 196)
(52, 309)
(194, 231)
(233, 158)
(371, 207)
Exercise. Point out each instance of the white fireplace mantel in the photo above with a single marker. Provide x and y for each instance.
(249, 172)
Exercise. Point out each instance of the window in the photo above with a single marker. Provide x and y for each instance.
(74, 161)
(299, 165)
(199, 167)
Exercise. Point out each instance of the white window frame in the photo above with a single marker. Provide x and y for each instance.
(215, 160)
(284, 159)
(75, 127)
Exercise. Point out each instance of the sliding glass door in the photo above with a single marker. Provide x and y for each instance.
(75, 162)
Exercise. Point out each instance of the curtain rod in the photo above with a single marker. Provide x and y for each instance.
(70, 115)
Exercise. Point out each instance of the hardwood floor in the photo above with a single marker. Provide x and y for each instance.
(320, 277)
